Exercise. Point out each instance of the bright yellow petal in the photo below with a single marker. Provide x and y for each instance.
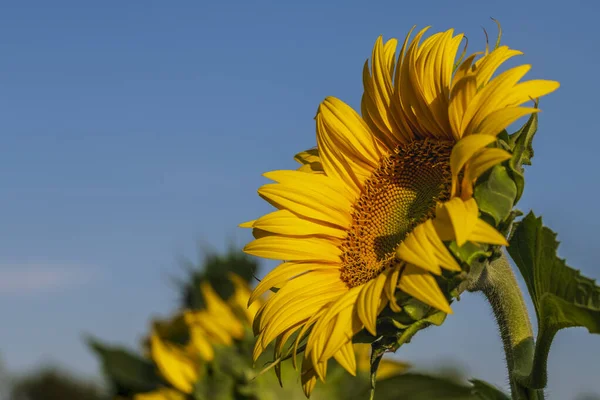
(294, 249)
(285, 272)
(424, 248)
(310, 160)
(200, 344)
(463, 150)
(478, 164)
(369, 302)
(461, 215)
(248, 224)
(529, 90)
(346, 358)
(378, 92)
(485, 233)
(287, 223)
(458, 220)
(490, 63)
(221, 312)
(390, 287)
(422, 286)
(489, 98)
(312, 182)
(349, 131)
(177, 367)
(309, 203)
(499, 120)
(417, 249)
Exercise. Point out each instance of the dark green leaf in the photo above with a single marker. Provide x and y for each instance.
(415, 386)
(127, 371)
(561, 295)
(496, 194)
(486, 391)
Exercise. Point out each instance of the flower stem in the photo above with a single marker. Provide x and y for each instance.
(499, 285)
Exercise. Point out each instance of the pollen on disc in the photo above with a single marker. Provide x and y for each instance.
(401, 193)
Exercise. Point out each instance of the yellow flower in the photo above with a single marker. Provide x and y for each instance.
(370, 208)
(216, 324)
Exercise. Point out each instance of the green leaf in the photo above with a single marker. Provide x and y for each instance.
(128, 372)
(470, 252)
(486, 391)
(496, 194)
(561, 295)
(435, 318)
(416, 386)
(520, 143)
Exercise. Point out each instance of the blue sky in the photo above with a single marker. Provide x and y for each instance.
(133, 130)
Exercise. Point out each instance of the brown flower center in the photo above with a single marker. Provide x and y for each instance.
(401, 193)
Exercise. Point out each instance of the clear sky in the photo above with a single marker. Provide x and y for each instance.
(130, 130)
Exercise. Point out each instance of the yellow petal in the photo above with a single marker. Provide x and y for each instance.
(308, 380)
(463, 150)
(378, 92)
(200, 343)
(485, 233)
(294, 249)
(490, 63)
(248, 224)
(283, 273)
(422, 286)
(369, 301)
(526, 91)
(478, 164)
(462, 215)
(390, 287)
(322, 326)
(308, 157)
(287, 223)
(490, 98)
(312, 182)
(417, 249)
(499, 120)
(349, 131)
(341, 334)
(346, 358)
(175, 366)
(309, 203)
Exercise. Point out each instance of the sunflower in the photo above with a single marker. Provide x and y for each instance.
(373, 207)
(180, 347)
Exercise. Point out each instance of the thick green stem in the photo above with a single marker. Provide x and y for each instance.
(498, 283)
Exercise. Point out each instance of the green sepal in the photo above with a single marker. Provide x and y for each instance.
(470, 252)
(435, 318)
(496, 193)
(562, 297)
(521, 147)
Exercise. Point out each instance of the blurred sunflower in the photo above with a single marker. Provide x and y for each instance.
(181, 347)
(373, 207)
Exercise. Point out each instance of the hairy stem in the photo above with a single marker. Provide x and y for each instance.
(499, 285)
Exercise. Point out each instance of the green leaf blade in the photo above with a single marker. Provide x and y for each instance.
(417, 386)
(561, 295)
